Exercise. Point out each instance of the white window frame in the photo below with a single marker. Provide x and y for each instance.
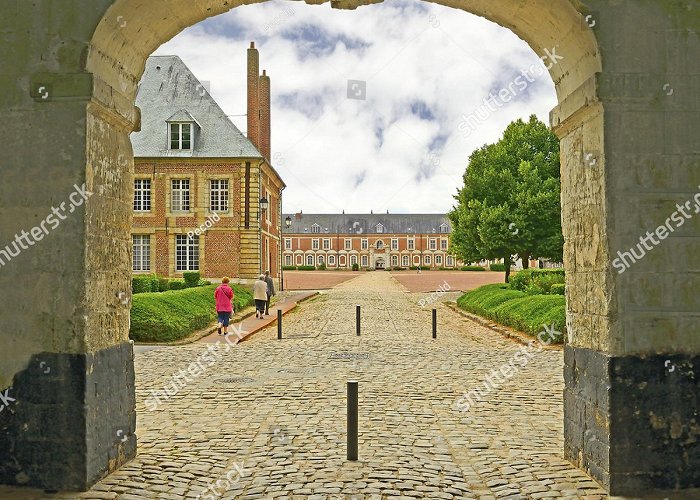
(342, 261)
(180, 135)
(326, 243)
(405, 261)
(190, 254)
(142, 195)
(348, 243)
(218, 195)
(310, 260)
(438, 260)
(394, 243)
(380, 228)
(287, 260)
(444, 244)
(433, 244)
(184, 198)
(331, 260)
(411, 244)
(320, 259)
(353, 260)
(315, 228)
(365, 261)
(314, 244)
(300, 260)
(364, 243)
(141, 253)
(444, 228)
(394, 261)
(427, 260)
(287, 243)
(449, 261)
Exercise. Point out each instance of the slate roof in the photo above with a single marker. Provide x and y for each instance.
(366, 223)
(169, 91)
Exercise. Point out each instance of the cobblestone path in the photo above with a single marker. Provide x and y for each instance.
(267, 419)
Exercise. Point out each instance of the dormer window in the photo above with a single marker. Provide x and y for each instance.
(315, 228)
(181, 136)
(444, 228)
(380, 228)
(182, 127)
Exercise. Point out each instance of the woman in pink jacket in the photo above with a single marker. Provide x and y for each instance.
(224, 304)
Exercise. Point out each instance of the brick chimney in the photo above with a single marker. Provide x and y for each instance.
(264, 104)
(253, 92)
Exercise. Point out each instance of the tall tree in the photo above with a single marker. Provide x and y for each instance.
(510, 202)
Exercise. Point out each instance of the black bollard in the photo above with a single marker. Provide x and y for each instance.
(434, 323)
(279, 324)
(357, 319)
(352, 420)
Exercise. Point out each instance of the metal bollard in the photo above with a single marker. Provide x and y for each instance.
(352, 420)
(279, 324)
(357, 319)
(434, 323)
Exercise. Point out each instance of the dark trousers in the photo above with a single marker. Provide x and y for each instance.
(267, 305)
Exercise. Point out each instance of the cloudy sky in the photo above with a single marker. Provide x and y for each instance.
(391, 143)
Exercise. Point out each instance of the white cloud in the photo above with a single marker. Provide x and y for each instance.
(425, 66)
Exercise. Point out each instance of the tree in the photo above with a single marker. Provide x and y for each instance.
(510, 202)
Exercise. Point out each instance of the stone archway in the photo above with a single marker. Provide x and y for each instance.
(68, 101)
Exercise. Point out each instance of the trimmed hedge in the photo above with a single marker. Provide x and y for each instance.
(172, 315)
(498, 267)
(537, 281)
(191, 278)
(144, 283)
(558, 289)
(516, 309)
(306, 268)
(177, 284)
(289, 268)
(472, 268)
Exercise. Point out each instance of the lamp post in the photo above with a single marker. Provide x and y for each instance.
(288, 224)
(263, 204)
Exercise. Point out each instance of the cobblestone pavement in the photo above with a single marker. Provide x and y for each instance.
(268, 418)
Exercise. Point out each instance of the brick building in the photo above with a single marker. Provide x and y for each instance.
(373, 241)
(206, 198)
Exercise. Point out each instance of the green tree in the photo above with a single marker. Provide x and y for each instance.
(510, 202)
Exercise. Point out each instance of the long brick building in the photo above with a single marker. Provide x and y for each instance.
(206, 198)
(372, 241)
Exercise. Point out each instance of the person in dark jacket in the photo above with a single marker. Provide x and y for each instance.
(270, 291)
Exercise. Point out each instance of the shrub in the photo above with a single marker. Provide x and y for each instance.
(516, 309)
(172, 315)
(163, 284)
(203, 282)
(289, 268)
(537, 281)
(498, 267)
(177, 284)
(191, 278)
(472, 268)
(144, 284)
(355, 267)
(322, 267)
(558, 289)
(306, 268)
